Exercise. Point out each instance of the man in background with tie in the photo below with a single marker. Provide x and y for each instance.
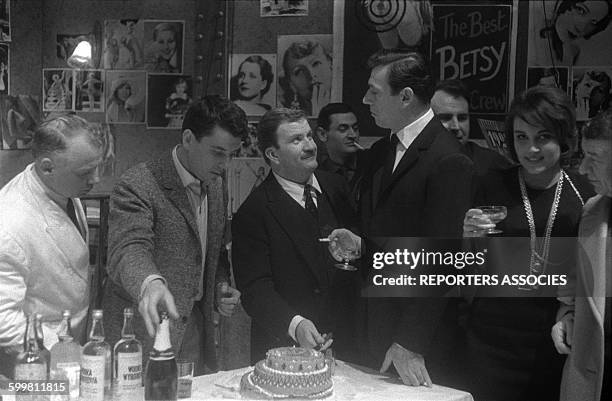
(289, 284)
(417, 184)
(44, 254)
(167, 248)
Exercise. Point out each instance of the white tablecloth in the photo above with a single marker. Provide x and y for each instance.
(350, 383)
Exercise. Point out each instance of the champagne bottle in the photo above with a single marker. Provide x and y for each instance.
(40, 339)
(127, 356)
(161, 377)
(66, 358)
(29, 364)
(96, 363)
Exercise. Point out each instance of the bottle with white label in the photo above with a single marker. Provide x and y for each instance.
(96, 363)
(66, 358)
(127, 356)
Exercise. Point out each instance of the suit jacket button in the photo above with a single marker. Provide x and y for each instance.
(316, 291)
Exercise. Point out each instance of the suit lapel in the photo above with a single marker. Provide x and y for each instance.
(170, 181)
(291, 217)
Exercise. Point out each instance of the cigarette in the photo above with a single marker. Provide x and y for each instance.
(358, 146)
(324, 240)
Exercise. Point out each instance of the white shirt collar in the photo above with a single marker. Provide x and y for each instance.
(409, 133)
(295, 190)
(185, 176)
(56, 197)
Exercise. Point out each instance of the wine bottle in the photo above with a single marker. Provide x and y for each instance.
(66, 358)
(127, 356)
(161, 376)
(96, 363)
(40, 339)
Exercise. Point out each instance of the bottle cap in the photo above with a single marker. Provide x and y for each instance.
(97, 313)
(128, 311)
(66, 313)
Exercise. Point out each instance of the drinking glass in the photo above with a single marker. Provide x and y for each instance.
(185, 377)
(343, 246)
(495, 214)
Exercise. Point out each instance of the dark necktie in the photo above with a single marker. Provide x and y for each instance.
(309, 202)
(390, 162)
(72, 215)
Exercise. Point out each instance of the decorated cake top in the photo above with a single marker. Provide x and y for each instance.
(293, 359)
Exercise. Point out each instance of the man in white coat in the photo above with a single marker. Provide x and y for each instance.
(583, 329)
(44, 256)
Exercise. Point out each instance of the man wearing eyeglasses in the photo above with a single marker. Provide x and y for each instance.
(166, 236)
(450, 103)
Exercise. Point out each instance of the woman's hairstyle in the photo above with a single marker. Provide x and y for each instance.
(165, 26)
(180, 81)
(265, 70)
(118, 84)
(562, 6)
(545, 107)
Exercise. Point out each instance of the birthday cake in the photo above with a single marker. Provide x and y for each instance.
(290, 372)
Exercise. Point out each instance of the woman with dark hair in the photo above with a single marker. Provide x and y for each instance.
(250, 85)
(574, 22)
(509, 352)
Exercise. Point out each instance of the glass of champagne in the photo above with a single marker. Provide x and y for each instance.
(495, 214)
(343, 246)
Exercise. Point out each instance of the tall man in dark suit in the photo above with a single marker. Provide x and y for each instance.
(417, 185)
(289, 285)
(166, 240)
(450, 103)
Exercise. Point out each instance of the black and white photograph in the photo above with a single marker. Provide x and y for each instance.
(89, 94)
(592, 91)
(5, 72)
(169, 97)
(125, 93)
(570, 32)
(244, 174)
(66, 43)
(163, 46)
(123, 44)
(283, 8)
(553, 77)
(58, 89)
(305, 75)
(5, 20)
(252, 83)
(19, 116)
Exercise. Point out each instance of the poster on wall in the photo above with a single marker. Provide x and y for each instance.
(564, 32)
(89, 94)
(552, 77)
(123, 44)
(4, 68)
(58, 89)
(163, 46)
(472, 43)
(5, 20)
(244, 175)
(19, 116)
(125, 97)
(169, 97)
(66, 43)
(283, 8)
(591, 91)
(249, 144)
(252, 85)
(305, 77)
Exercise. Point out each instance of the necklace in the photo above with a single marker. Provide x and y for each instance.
(538, 260)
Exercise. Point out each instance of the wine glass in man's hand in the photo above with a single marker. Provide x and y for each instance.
(344, 246)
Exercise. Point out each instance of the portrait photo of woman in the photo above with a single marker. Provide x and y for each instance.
(169, 97)
(125, 102)
(252, 84)
(164, 47)
(305, 72)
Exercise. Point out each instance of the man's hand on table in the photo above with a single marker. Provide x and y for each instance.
(409, 365)
(308, 336)
(154, 294)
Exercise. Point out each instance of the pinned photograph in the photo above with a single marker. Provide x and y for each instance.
(283, 8)
(89, 91)
(243, 176)
(169, 97)
(252, 85)
(66, 43)
(58, 89)
(5, 20)
(19, 116)
(304, 72)
(248, 145)
(4, 68)
(552, 77)
(164, 46)
(125, 97)
(591, 91)
(123, 44)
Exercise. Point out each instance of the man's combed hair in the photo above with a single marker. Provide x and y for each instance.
(269, 123)
(329, 110)
(214, 110)
(52, 134)
(454, 87)
(406, 69)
